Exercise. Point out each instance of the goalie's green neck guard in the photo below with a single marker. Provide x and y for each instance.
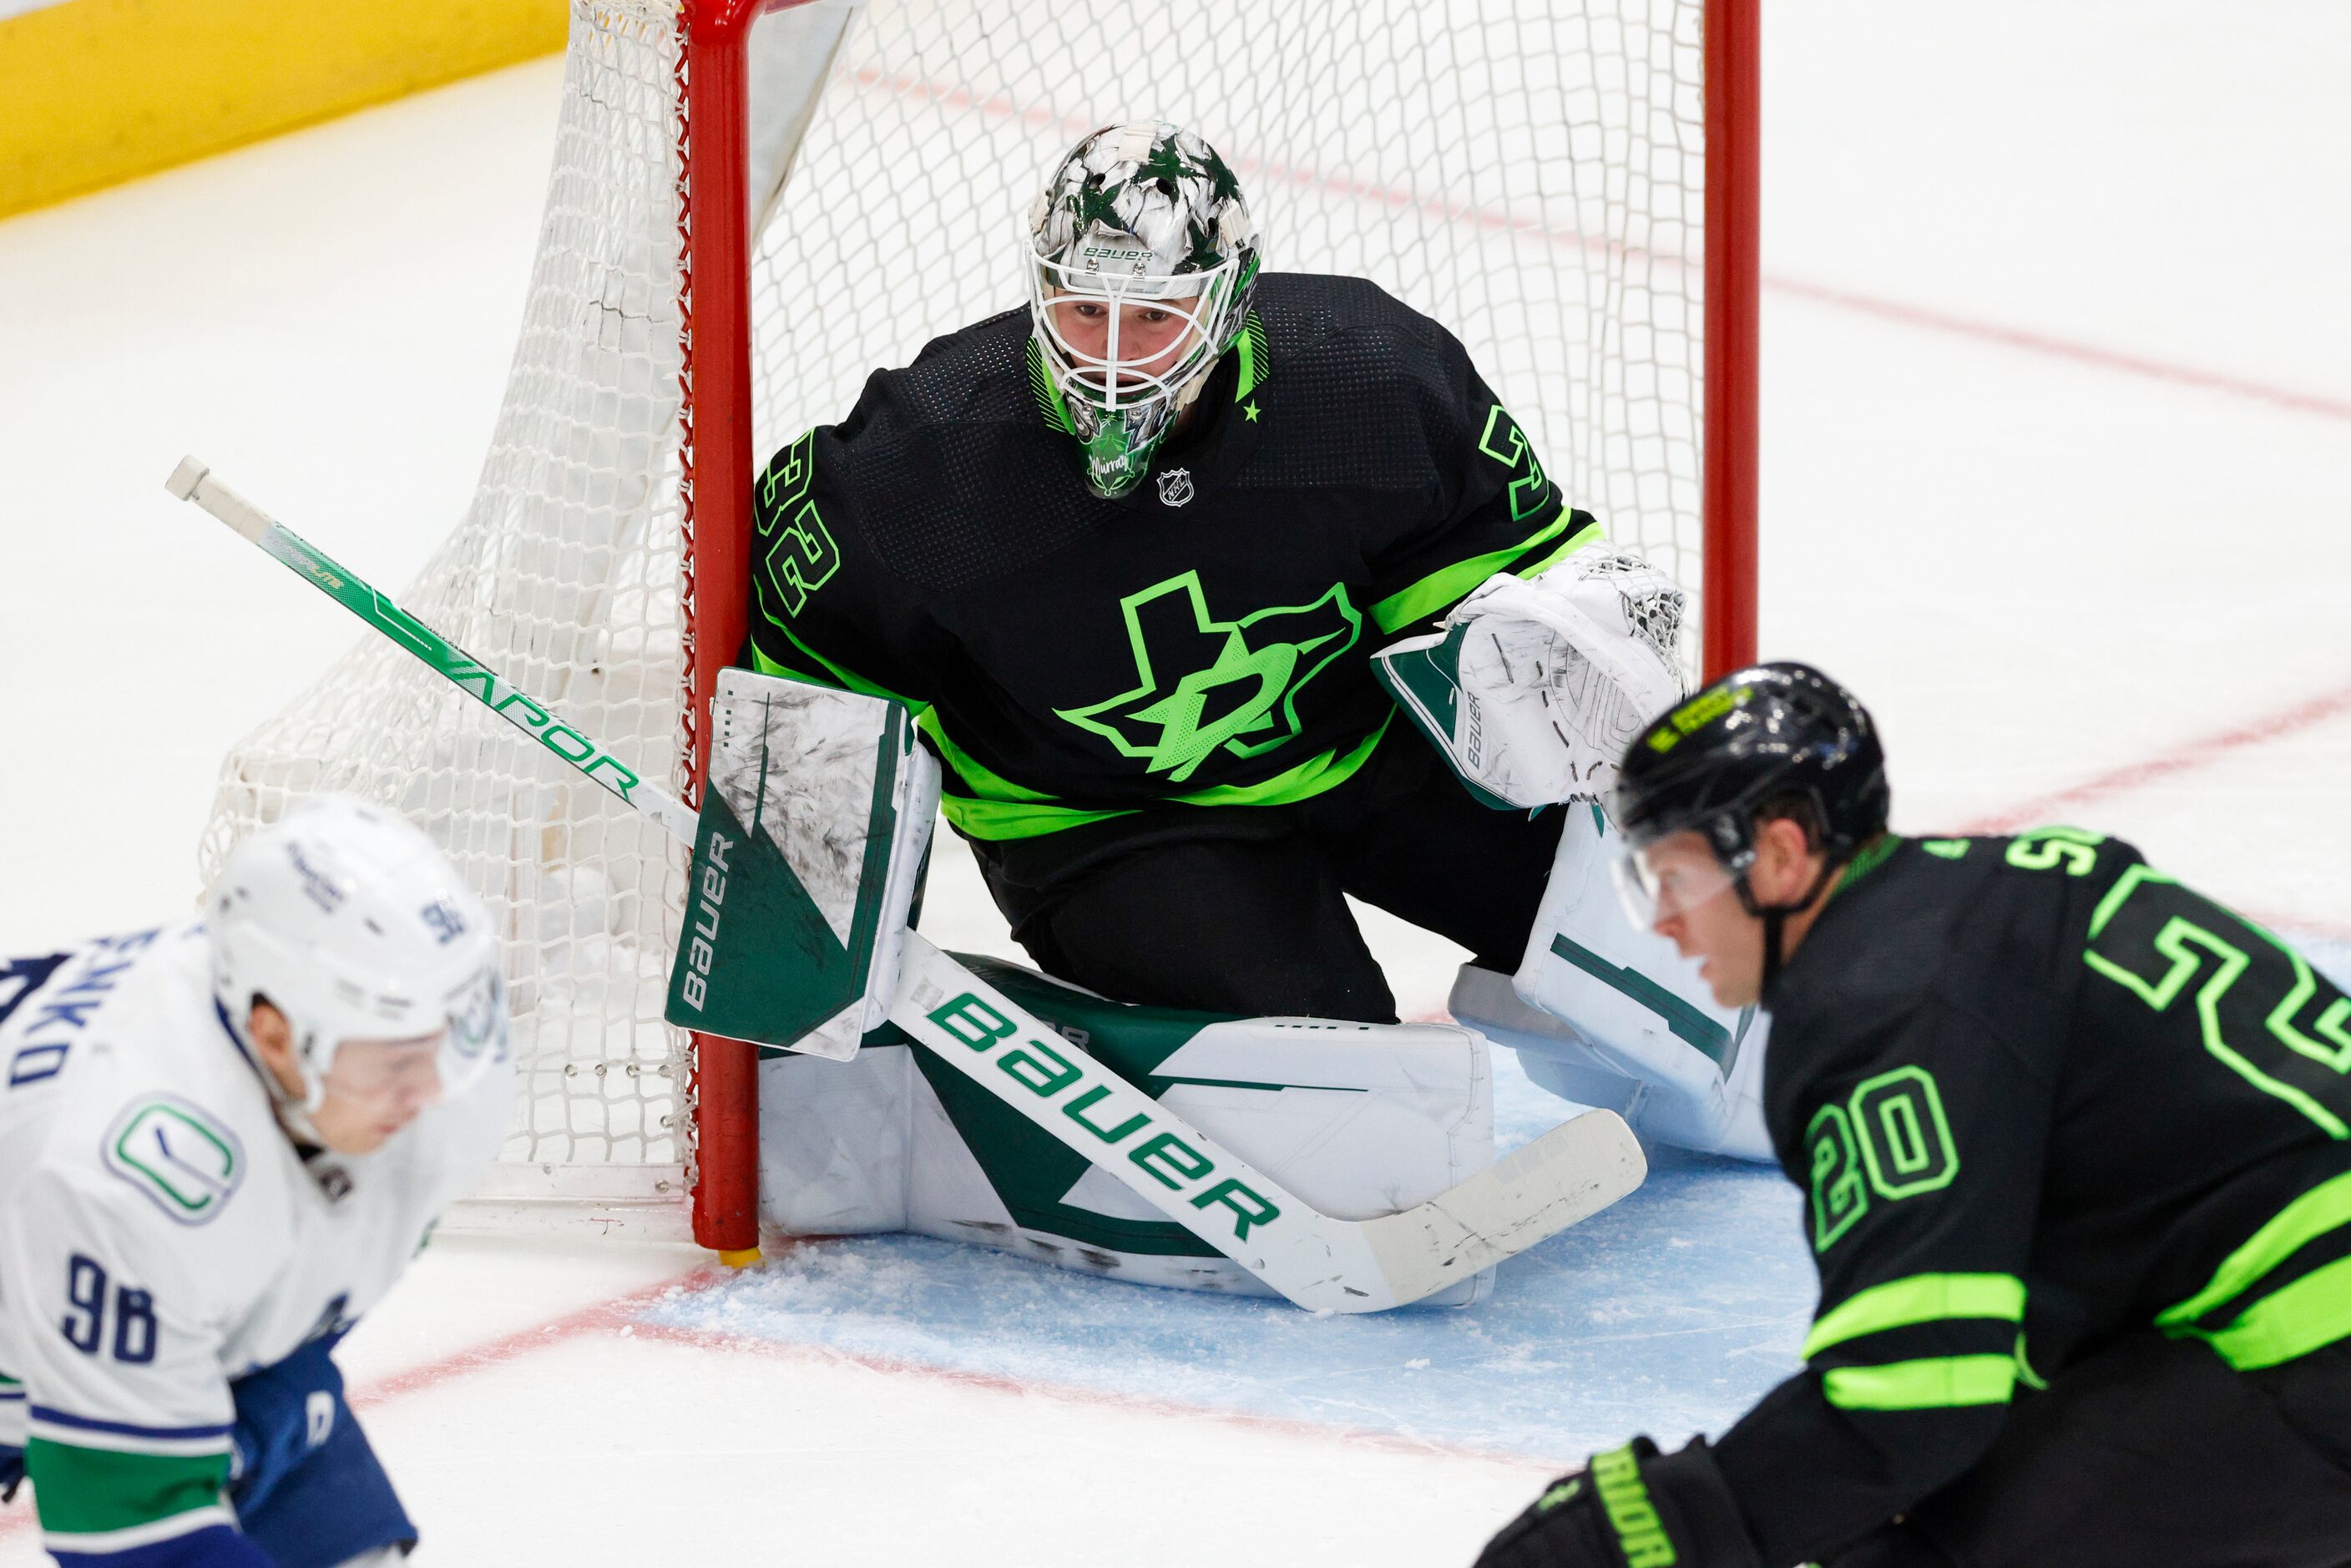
(1117, 458)
(1115, 462)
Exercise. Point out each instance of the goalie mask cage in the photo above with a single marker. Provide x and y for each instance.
(753, 205)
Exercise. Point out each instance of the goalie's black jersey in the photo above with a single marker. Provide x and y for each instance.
(2039, 1097)
(1346, 479)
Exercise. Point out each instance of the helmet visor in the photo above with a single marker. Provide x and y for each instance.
(425, 1067)
(1670, 878)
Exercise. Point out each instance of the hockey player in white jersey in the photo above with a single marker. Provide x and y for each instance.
(219, 1145)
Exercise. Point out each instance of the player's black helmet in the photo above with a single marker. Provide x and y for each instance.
(1762, 734)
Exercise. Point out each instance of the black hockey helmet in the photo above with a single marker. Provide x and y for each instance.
(1758, 736)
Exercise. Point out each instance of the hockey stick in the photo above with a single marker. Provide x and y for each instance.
(1324, 1264)
(191, 481)
(1319, 1262)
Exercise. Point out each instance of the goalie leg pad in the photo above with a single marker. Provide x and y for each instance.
(1607, 1005)
(1356, 1120)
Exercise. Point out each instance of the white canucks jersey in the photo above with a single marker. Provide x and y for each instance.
(159, 1236)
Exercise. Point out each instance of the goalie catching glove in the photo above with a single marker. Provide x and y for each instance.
(1631, 1508)
(1532, 689)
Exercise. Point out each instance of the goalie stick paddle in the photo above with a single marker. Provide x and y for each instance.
(1317, 1261)
(1323, 1264)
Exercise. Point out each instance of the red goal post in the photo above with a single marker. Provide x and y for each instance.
(716, 297)
(753, 206)
(1734, 91)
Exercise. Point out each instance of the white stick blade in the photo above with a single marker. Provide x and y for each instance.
(1563, 1178)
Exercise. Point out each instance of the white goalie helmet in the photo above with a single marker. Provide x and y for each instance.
(352, 923)
(1142, 215)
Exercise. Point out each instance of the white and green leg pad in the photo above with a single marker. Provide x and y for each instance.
(1356, 1120)
(1612, 1017)
(1345, 1168)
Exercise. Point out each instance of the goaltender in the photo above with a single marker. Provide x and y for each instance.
(2076, 1148)
(1133, 554)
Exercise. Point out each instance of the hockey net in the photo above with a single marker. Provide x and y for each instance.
(1531, 172)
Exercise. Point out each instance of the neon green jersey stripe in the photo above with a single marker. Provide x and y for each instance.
(1309, 778)
(993, 786)
(995, 821)
(1010, 810)
(1440, 588)
(1575, 541)
(843, 677)
(2312, 1215)
(1001, 809)
(2291, 1321)
(1937, 1383)
(1254, 362)
(93, 1491)
(1920, 1299)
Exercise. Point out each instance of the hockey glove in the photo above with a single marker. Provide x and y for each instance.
(1534, 689)
(1631, 1508)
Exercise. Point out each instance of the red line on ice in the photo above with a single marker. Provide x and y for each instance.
(2194, 754)
(610, 1314)
(604, 1315)
(622, 1312)
(2060, 348)
(998, 1383)
(1497, 219)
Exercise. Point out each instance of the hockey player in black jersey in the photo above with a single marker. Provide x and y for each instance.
(2075, 1143)
(1134, 555)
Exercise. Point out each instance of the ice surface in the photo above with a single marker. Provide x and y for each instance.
(1673, 1310)
(2037, 568)
(1670, 1313)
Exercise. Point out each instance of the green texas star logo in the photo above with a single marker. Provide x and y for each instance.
(1241, 691)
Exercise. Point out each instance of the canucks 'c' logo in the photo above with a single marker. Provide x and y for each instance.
(183, 1158)
(1202, 684)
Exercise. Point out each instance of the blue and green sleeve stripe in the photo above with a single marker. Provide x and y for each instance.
(115, 1494)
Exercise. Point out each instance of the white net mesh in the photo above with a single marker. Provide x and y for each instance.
(1528, 172)
(564, 578)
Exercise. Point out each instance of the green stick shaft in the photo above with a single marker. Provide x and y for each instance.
(191, 481)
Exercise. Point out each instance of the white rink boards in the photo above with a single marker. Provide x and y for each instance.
(2056, 443)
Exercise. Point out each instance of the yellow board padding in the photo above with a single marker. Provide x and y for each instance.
(94, 92)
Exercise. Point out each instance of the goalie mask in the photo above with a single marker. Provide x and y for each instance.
(1140, 262)
(353, 925)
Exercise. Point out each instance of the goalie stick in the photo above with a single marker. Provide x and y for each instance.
(191, 481)
(1316, 1260)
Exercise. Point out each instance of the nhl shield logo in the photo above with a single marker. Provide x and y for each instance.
(1174, 487)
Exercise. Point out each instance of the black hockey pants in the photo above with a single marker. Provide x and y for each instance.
(1238, 909)
(2152, 1455)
